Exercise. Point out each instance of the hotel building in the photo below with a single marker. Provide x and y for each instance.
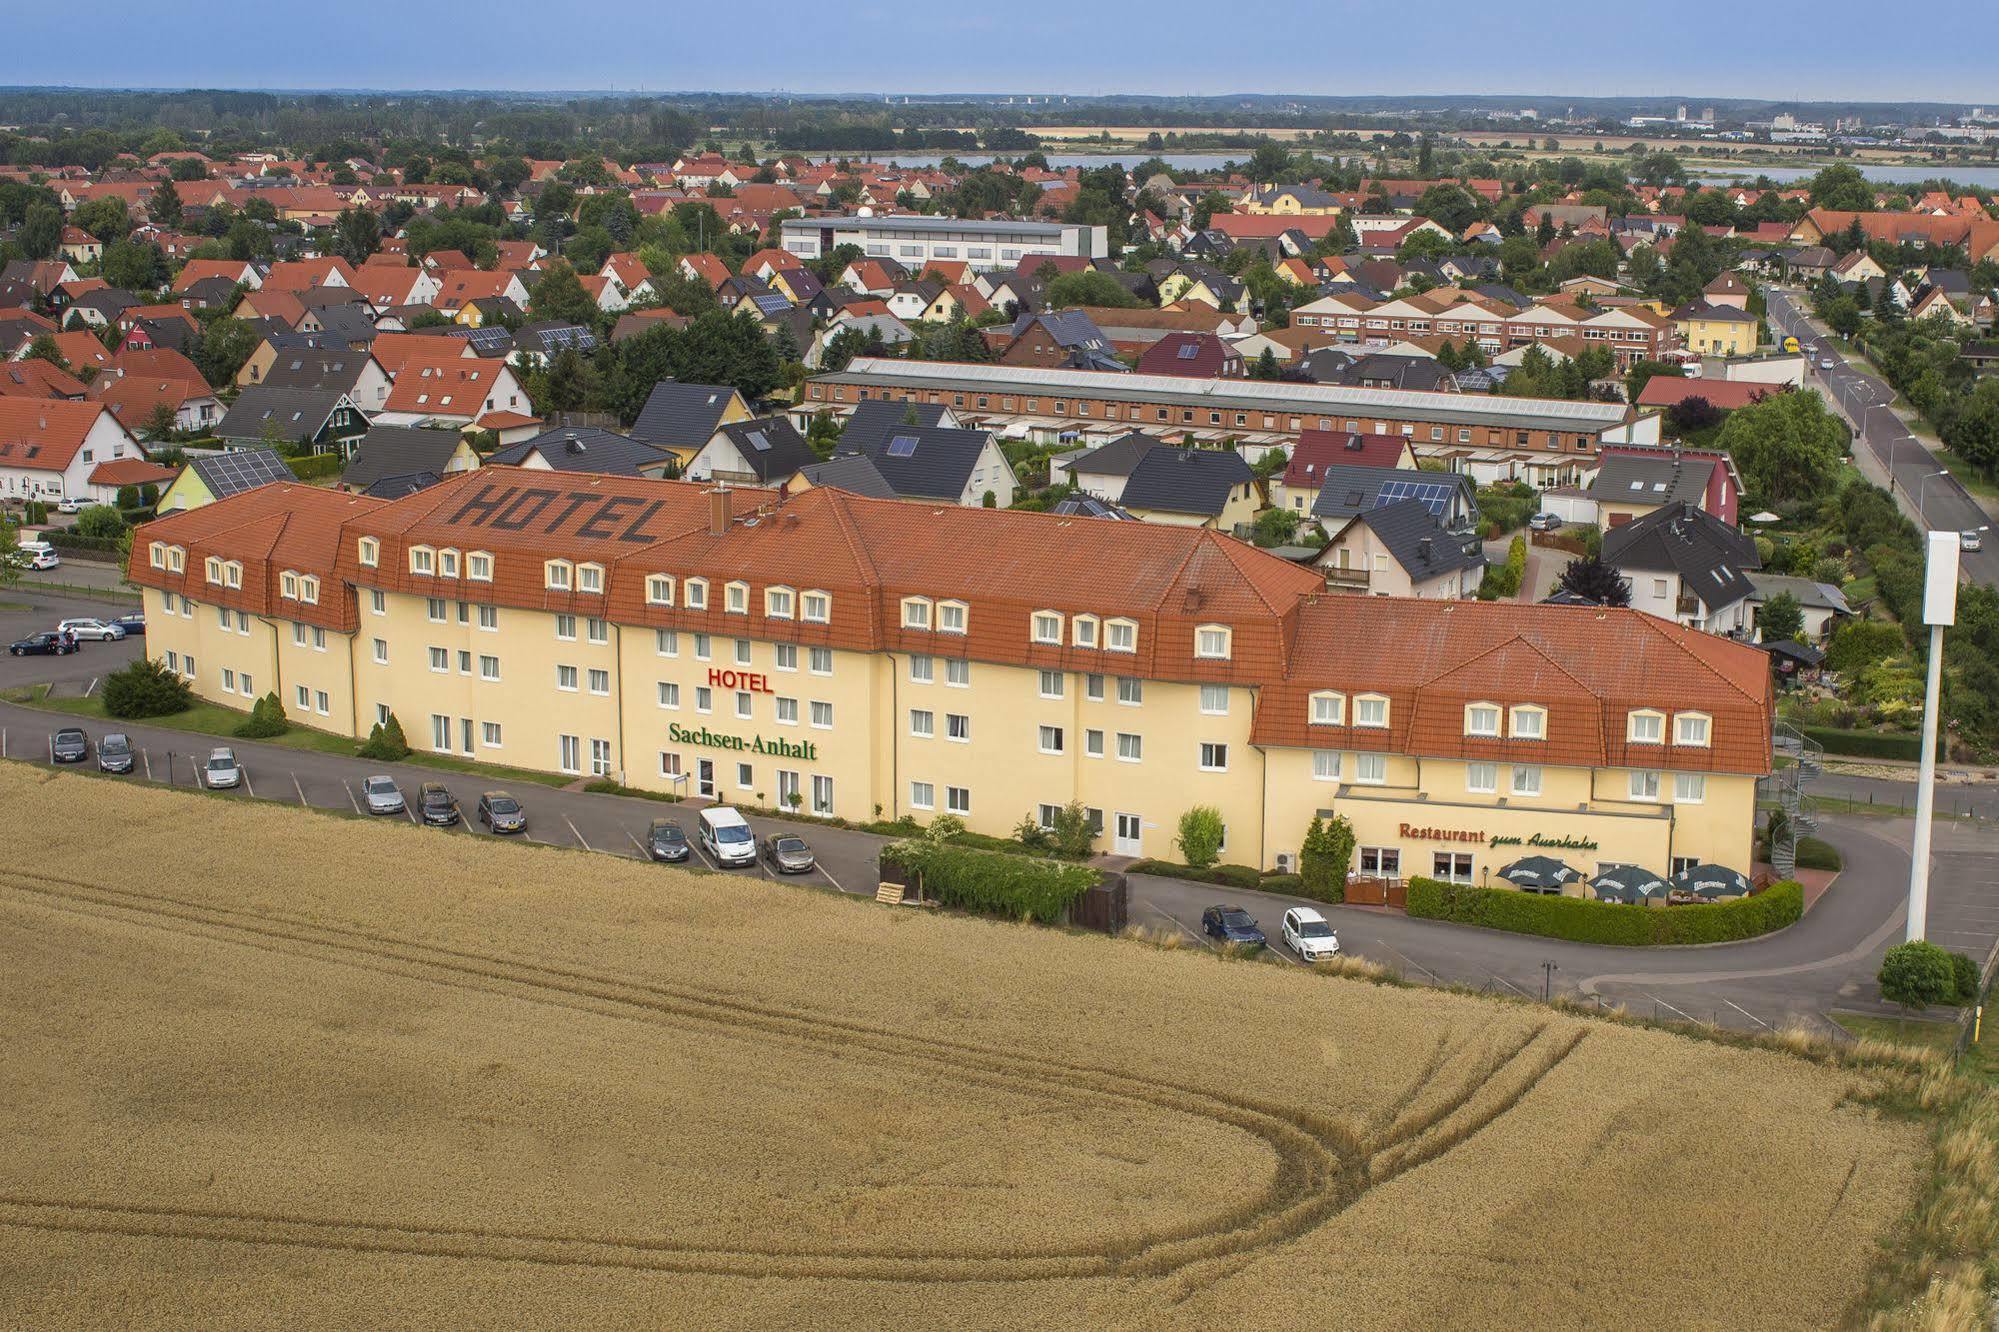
(915, 240)
(872, 658)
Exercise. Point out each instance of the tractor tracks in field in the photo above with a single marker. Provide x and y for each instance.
(1324, 1165)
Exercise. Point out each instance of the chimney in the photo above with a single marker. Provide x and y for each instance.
(1423, 550)
(721, 510)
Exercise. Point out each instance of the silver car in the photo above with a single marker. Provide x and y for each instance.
(222, 770)
(382, 795)
(102, 631)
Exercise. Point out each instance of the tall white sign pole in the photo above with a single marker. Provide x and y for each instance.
(1939, 610)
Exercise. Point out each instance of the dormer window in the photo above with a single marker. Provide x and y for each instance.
(697, 593)
(368, 552)
(1083, 631)
(288, 585)
(447, 563)
(1329, 708)
(1047, 627)
(211, 570)
(1121, 635)
(780, 603)
(176, 559)
(308, 590)
(590, 578)
(1529, 723)
(1370, 710)
(736, 598)
(423, 560)
(156, 555)
(1691, 729)
(232, 574)
(558, 576)
(817, 607)
(916, 612)
(1646, 727)
(479, 567)
(953, 617)
(659, 590)
(1482, 719)
(1212, 642)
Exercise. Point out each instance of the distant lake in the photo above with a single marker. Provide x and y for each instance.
(1887, 175)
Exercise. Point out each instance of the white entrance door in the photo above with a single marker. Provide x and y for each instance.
(1126, 842)
(704, 771)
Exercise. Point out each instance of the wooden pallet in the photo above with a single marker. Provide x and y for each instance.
(890, 894)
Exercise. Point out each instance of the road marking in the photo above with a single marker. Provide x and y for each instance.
(1434, 977)
(1681, 1011)
(300, 789)
(406, 804)
(643, 853)
(350, 795)
(246, 784)
(704, 856)
(3, 742)
(579, 836)
(146, 758)
(89, 687)
(829, 875)
(1746, 1013)
(1175, 922)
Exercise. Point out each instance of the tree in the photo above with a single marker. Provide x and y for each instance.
(1590, 578)
(225, 344)
(145, 688)
(135, 266)
(42, 347)
(1450, 206)
(1201, 835)
(386, 741)
(1265, 366)
(99, 520)
(558, 294)
(1917, 974)
(105, 218)
(164, 207)
(1089, 287)
(1842, 315)
(266, 719)
(41, 232)
(10, 553)
(357, 233)
(1275, 527)
(1787, 446)
(1841, 187)
(1325, 856)
(1780, 618)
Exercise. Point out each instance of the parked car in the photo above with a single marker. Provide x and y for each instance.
(39, 555)
(1970, 541)
(726, 835)
(666, 841)
(69, 745)
(101, 631)
(222, 771)
(1826, 363)
(502, 813)
(133, 625)
(382, 795)
(1309, 934)
(48, 643)
(788, 853)
(70, 504)
(1545, 522)
(114, 753)
(1232, 925)
(437, 805)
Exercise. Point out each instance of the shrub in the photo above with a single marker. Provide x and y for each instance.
(1201, 835)
(1965, 972)
(1817, 855)
(313, 466)
(1229, 876)
(991, 882)
(1323, 860)
(100, 521)
(266, 719)
(1917, 974)
(1867, 744)
(386, 741)
(1291, 885)
(1584, 920)
(146, 688)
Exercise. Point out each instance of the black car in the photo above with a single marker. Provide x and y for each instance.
(437, 804)
(133, 625)
(70, 745)
(665, 841)
(114, 753)
(502, 813)
(1232, 925)
(48, 643)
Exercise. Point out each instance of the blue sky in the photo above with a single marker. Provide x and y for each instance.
(1550, 47)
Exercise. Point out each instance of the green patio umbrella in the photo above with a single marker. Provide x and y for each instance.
(1539, 873)
(1627, 883)
(1712, 881)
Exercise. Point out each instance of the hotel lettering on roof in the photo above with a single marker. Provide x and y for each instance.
(860, 658)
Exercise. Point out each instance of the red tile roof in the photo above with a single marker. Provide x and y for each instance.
(44, 434)
(131, 472)
(1316, 450)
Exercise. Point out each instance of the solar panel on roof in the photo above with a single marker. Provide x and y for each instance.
(1436, 496)
(758, 442)
(902, 446)
(1189, 350)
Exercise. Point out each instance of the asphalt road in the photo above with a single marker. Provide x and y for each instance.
(1825, 962)
(1930, 495)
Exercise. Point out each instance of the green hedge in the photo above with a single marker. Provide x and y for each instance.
(1584, 920)
(1229, 876)
(1867, 744)
(314, 466)
(1817, 855)
(993, 882)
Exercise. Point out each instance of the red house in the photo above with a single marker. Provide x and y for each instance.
(1192, 356)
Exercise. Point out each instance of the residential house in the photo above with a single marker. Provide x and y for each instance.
(1064, 338)
(585, 449)
(1822, 605)
(1192, 356)
(50, 447)
(1350, 489)
(1399, 549)
(765, 450)
(1686, 565)
(680, 418)
(1103, 471)
(402, 458)
(1185, 487)
(1304, 475)
(1633, 482)
(350, 370)
(854, 473)
(206, 478)
(938, 463)
(314, 420)
(1727, 289)
(439, 383)
(1716, 330)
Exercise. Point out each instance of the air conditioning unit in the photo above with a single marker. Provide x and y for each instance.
(1284, 862)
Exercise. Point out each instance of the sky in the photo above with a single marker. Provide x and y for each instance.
(1534, 47)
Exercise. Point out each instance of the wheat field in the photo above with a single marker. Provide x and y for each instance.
(270, 1068)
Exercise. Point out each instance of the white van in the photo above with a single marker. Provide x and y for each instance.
(38, 555)
(727, 837)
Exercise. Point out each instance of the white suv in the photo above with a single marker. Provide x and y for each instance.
(1309, 935)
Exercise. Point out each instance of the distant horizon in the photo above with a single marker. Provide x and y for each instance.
(875, 47)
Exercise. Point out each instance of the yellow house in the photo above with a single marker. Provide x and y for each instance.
(1186, 487)
(1289, 201)
(681, 418)
(210, 477)
(1716, 330)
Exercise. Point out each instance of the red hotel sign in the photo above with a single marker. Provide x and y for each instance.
(754, 683)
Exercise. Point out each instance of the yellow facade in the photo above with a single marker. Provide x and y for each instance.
(862, 735)
(1718, 337)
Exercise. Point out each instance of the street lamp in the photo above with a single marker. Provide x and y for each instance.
(1939, 610)
(1922, 487)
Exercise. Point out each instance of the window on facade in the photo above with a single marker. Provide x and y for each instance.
(704, 699)
(958, 800)
(1689, 788)
(696, 592)
(666, 642)
(565, 678)
(1371, 769)
(1215, 700)
(952, 617)
(479, 567)
(1329, 709)
(822, 715)
(1051, 739)
(1326, 765)
(600, 681)
(1211, 642)
(1051, 684)
(590, 578)
(957, 726)
(382, 650)
(1646, 728)
(922, 670)
(659, 590)
(1526, 779)
(820, 661)
(565, 627)
(736, 598)
(957, 671)
(1691, 728)
(1083, 631)
(1130, 748)
(915, 613)
(1481, 778)
(1214, 757)
(1644, 785)
(558, 575)
(1047, 627)
(1482, 719)
(816, 607)
(1093, 743)
(922, 795)
(669, 694)
(599, 630)
(922, 723)
(1130, 690)
(778, 603)
(1370, 710)
(1121, 635)
(1530, 723)
(288, 584)
(447, 563)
